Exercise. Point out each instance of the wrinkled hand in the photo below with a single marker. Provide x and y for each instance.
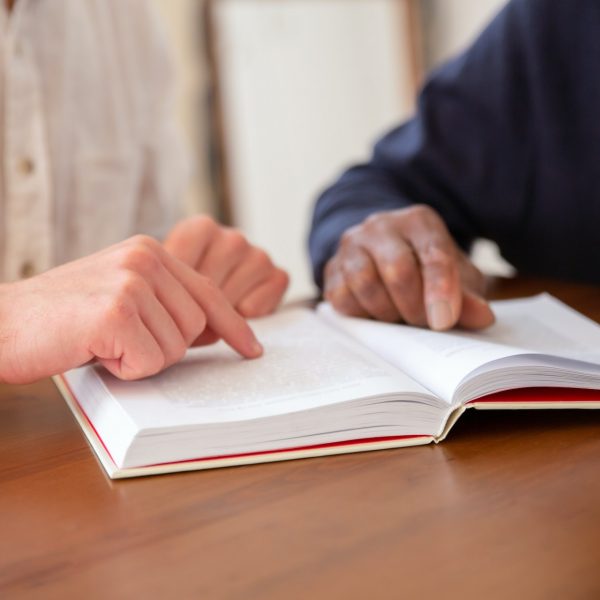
(244, 273)
(404, 265)
(133, 307)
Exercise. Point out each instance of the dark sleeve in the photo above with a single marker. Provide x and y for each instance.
(467, 152)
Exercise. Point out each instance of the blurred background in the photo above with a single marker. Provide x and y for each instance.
(277, 97)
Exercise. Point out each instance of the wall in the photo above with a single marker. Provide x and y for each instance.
(307, 86)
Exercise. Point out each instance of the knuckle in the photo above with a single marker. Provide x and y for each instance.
(373, 220)
(203, 222)
(130, 286)
(421, 217)
(349, 236)
(234, 241)
(439, 256)
(419, 212)
(249, 308)
(401, 273)
(117, 311)
(140, 258)
(282, 279)
(208, 282)
(198, 225)
(208, 285)
(333, 276)
(262, 259)
(143, 240)
(376, 222)
(431, 224)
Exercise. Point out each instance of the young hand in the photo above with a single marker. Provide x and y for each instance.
(244, 273)
(133, 307)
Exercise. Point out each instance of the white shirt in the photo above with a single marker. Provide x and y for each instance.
(89, 151)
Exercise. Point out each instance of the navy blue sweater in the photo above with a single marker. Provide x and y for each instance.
(505, 145)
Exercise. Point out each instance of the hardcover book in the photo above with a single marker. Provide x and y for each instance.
(329, 384)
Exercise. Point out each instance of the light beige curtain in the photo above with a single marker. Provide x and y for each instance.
(183, 21)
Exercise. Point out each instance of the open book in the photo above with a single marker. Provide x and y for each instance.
(329, 384)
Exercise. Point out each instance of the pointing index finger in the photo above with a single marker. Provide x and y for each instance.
(221, 317)
(225, 321)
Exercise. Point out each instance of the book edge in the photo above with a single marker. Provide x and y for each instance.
(90, 434)
(115, 472)
(278, 456)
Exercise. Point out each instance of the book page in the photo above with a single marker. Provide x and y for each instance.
(440, 361)
(544, 324)
(306, 365)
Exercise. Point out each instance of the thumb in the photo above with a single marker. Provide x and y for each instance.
(476, 312)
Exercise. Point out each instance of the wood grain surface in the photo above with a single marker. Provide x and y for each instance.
(507, 506)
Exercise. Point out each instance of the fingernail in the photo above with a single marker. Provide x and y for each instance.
(257, 349)
(440, 315)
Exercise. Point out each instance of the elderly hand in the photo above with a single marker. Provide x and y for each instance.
(404, 265)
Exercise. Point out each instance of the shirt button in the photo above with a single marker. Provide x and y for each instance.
(26, 166)
(27, 269)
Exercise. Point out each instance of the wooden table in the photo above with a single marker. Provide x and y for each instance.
(508, 506)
